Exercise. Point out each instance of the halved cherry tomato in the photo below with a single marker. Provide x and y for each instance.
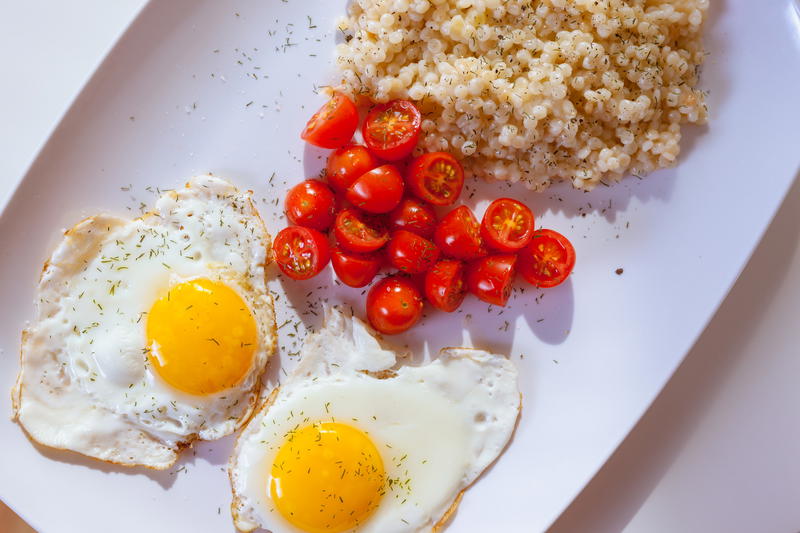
(415, 216)
(334, 124)
(491, 278)
(354, 269)
(310, 204)
(507, 225)
(301, 253)
(391, 130)
(445, 287)
(547, 260)
(436, 178)
(410, 253)
(377, 191)
(359, 232)
(459, 235)
(347, 164)
(394, 304)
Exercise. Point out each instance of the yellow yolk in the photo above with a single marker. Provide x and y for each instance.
(327, 478)
(201, 337)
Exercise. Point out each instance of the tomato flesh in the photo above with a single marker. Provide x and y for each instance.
(415, 216)
(507, 225)
(377, 191)
(334, 124)
(459, 235)
(548, 260)
(310, 204)
(410, 253)
(354, 269)
(491, 278)
(436, 177)
(359, 232)
(347, 164)
(445, 286)
(394, 304)
(391, 130)
(301, 253)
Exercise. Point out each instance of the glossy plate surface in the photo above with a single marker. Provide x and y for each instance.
(226, 87)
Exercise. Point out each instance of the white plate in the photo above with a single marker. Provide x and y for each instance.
(177, 96)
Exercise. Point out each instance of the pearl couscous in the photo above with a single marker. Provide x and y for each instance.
(535, 90)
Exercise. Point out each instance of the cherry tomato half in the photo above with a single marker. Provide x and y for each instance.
(391, 130)
(415, 216)
(491, 278)
(459, 235)
(410, 253)
(354, 269)
(377, 191)
(436, 178)
(359, 232)
(445, 287)
(348, 163)
(507, 225)
(310, 204)
(547, 260)
(394, 304)
(301, 253)
(334, 124)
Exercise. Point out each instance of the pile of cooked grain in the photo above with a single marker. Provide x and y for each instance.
(536, 90)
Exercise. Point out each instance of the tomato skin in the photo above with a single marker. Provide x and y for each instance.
(394, 304)
(410, 253)
(334, 124)
(301, 253)
(347, 164)
(310, 204)
(359, 232)
(491, 278)
(436, 177)
(507, 225)
(548, 260)
(445, 285)
(415, 216)
(354, 269)
(377, 191)
(391, 130)
(458, 235)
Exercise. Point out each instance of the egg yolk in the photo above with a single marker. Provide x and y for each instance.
(327, 478)
(201, 337)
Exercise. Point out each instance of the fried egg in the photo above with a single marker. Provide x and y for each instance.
(150, 333)
(351, 442)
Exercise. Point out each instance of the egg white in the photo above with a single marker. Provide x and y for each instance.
(85, 383)
(437, 426)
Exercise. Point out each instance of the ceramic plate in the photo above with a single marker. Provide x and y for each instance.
(225, 87)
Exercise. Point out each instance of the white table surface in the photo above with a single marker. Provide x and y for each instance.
(717, 451)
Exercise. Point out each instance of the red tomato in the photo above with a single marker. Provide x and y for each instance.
(459, 235)
(334, 124)
(507, 225)
(394, 304)
(301, 253)
(359, 232)
(414, 216)
(436, 178)
(445, 287)
(310, 204)
(490, 278)
(410, 253)
(354, 269)
(548, 259)
(377, 191)
(391, 130)
(346, 164)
